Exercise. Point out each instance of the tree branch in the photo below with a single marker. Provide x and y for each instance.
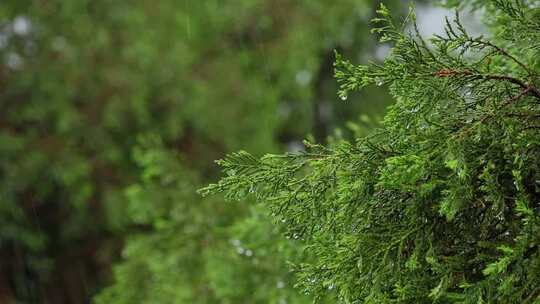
(529, 88)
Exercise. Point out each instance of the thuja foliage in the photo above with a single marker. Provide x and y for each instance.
(442, 203)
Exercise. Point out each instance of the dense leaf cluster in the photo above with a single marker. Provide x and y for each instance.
(441, 204)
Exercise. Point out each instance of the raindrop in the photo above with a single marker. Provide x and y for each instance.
(382, 52)
(4, 39)
(59, 43)
(284, 110)
(415, 110)
(343, 97)
(188, 27)
(280, 284)
(21, 25)
(303, 77)
(295, 146)
(359, 263)
(249, 253)
(29, 47)
(14, 61)
(240, 250)
(325, 111)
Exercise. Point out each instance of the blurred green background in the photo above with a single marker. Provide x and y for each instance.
(112, 113)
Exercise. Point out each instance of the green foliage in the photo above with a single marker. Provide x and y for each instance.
(229, 255)
(111, 114)
(179, 261)
(439, 205)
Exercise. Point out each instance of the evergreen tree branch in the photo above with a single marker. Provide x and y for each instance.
(527, 88)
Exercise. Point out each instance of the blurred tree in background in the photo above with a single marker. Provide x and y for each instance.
(111, 114)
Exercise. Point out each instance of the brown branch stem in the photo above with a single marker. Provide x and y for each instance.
(508, 55)
(531, 90)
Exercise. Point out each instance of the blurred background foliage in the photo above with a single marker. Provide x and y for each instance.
(111, 115)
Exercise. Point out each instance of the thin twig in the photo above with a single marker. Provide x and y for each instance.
(505, 53)
(532, 295)
(531, 90)
(487, 116)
